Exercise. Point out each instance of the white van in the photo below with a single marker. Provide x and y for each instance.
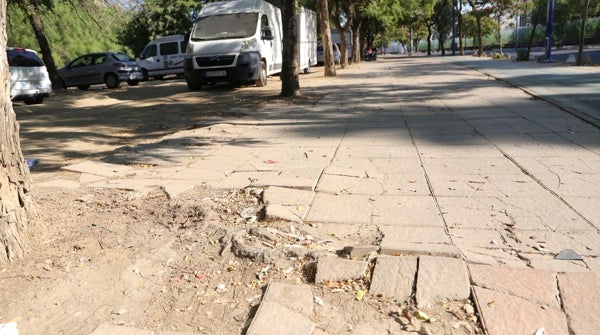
(163, 56)
(238, 41)
(307, 38)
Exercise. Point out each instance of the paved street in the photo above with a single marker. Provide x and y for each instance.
(480, 188)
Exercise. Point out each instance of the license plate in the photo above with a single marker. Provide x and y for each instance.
(216, 73)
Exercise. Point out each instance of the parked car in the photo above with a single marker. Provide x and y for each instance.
(110, 68)
(337, 55)
(29, 79)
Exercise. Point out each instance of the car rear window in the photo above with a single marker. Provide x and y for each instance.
(18, 57)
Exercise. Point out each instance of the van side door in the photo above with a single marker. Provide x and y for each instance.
(151, 57)
(172, 57)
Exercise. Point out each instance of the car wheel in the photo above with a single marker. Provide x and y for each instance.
(133, 82)
(194, 85)
(34, 101)
(83, 87)
(262, 76)
(111, 81)
(145, 76)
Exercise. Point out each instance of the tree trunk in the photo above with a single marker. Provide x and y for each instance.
(429, 33)
(16, 206)
(479, 36)
(335, 17)
(35, 18)
(582, 33)
(326, 37)
(356, 47)
(461, 47)
(290, 81)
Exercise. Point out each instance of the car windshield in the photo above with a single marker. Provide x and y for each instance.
(122, 57)
(238, 25)
(23, 58)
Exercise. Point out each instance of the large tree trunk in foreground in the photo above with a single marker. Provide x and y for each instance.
(15, 200)
(290, 81)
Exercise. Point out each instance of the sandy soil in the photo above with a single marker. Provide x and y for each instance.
(147, 261)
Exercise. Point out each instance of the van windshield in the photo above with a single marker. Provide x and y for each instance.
(238, 25)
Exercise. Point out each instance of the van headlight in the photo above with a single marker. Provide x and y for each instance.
(249, 45)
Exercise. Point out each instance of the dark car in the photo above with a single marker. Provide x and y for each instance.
(29, 79)
(110, 68)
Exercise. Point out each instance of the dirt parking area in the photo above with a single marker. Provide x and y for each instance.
(148, 261)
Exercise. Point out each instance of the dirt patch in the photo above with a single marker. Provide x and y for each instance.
(198, 263)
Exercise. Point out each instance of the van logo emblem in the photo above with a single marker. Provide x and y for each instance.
(215, 58)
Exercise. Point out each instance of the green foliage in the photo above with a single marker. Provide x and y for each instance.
(71, 31)
(158, 18)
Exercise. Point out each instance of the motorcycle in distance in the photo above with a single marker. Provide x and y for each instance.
(371, 54)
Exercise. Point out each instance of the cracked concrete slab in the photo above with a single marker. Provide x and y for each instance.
(331, 208)
(393, 277)
(415, 211)
(503, 314)
(441, 279)
(538, 286)
(99, 168)
(336, 269)
(580, 294)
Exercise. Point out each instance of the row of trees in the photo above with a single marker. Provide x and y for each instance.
(63, 29)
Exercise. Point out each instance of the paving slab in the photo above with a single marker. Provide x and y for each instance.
(331, 208)
(336, 269)
(441, 279)
(287, 196)
(284, 311)
(295, 297)
(534, 285)
(107, 329)
(400, 234)
(484, 185)
(548, 262)
(503, 314)
(523, 212)
(412, 248)
(99, 168)
(350, 185)
(64, 183)
(415, 211)
(394, 277)
(289, 213)
(580, 294)
(406, 184)
(367, 151)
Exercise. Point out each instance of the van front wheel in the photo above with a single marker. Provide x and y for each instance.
(262, 76)
(194, 85)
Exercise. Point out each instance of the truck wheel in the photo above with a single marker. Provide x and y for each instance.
(194, 85)
(262, 76)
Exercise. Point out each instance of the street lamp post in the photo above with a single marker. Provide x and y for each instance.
(549, 31)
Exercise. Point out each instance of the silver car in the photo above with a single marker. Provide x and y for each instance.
(110, 68)
(29, 79)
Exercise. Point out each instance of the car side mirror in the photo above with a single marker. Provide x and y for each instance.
(267, 34)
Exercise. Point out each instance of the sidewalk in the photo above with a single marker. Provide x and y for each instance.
(465, 188)
(570, 88)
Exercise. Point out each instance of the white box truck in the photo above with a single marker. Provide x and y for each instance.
(306, 20)
(238, 41)
(163, 56)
